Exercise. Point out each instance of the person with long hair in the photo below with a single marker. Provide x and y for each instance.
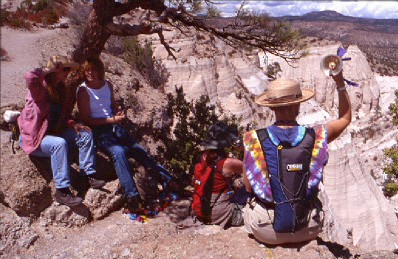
(97, 108)
(47, 129)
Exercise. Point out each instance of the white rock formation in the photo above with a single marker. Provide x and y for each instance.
(208, 66)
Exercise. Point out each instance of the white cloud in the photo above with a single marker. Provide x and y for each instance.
(366, 9)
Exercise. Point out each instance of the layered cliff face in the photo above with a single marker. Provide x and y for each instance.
(361, 214)
(208, 66)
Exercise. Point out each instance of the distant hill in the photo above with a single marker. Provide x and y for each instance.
(377, 38)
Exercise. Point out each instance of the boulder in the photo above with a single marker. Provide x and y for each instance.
(24, 185)
(362, 212)
(103, 202)
(15, 232)
(64, 216)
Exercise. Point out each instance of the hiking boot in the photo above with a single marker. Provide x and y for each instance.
(95, 183)
(64, 196)
(134, 204)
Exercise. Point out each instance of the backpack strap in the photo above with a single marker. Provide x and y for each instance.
(262, 136)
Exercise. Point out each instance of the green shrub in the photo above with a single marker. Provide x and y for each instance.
(391, 169)
(42, 5)
(47, 17)
(390, 189)
(193, 119)
(41, 12)
(137, 55)
(17, 19)
(213, 12)
(140, 57)
(273, 70)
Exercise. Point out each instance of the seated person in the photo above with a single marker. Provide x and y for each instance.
(45, 132)
(97, 109)
(284, 165)
(213, 176)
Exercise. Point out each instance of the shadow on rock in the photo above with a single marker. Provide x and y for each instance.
(336, 249)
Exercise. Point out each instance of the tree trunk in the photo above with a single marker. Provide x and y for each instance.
(94, 38)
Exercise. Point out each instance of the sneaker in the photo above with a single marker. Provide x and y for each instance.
(134, 204)
(95, 183)
(64, 196)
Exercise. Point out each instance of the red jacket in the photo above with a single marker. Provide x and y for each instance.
(33, 121)
(220, 181)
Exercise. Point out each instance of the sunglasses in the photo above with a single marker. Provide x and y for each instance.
(66, 69)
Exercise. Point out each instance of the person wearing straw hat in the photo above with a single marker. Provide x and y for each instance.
(283, 165)
(47, 129)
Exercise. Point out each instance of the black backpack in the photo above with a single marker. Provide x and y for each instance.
(289, 182)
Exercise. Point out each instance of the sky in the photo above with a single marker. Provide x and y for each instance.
(365, 9)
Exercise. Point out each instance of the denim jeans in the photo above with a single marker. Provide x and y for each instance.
(118, 143)
(57, 148)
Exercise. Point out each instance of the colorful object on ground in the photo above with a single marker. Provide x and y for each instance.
(144, 214)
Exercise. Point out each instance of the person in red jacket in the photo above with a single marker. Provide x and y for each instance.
(47, 129)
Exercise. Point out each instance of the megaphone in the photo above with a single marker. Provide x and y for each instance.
(331, 65)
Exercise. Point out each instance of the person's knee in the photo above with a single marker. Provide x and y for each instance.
(237, 216)
(60, 145)
(117, 153)
(85, 139)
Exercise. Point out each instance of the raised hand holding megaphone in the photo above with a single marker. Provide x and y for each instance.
(332, 65)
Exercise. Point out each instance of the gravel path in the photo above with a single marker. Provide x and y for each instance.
(27, 50)
(24, 53)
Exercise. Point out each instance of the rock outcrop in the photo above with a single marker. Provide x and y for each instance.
(24, 183)
(207, 66)
(364, 216)
(15, 232)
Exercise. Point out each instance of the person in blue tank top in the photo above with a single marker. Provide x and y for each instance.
(287, 155)
(96, 104)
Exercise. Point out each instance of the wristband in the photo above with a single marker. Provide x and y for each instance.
(343, 88)
(71, 123)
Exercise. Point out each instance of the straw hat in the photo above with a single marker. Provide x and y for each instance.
(283, 92)
(60, 61)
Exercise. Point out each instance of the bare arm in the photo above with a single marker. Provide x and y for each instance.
(232, 166)
(336, 127)
(245, 180)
